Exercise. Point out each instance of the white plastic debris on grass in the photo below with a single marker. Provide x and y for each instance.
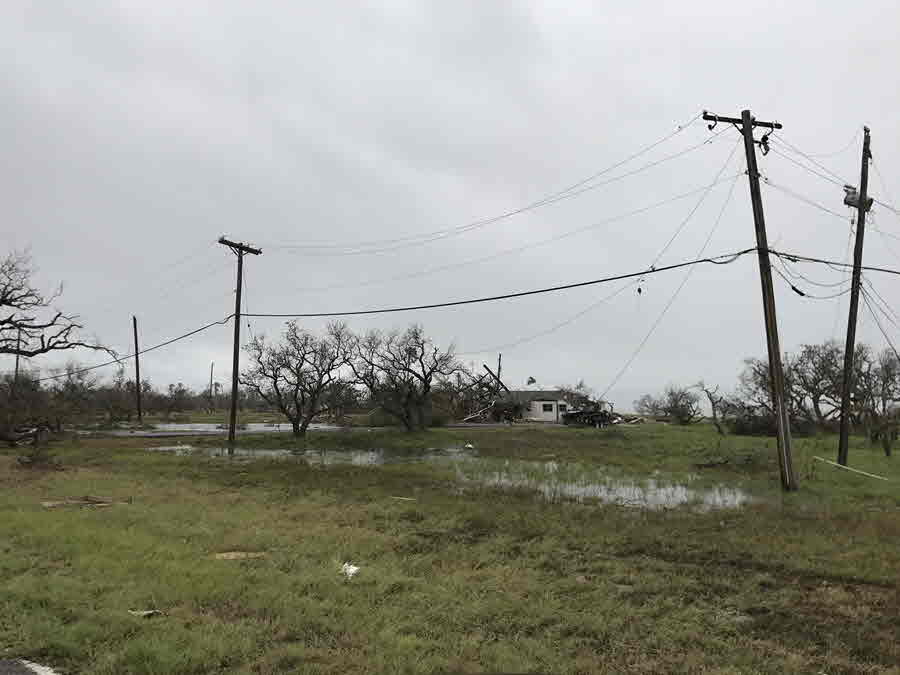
(469, 446)
(349, 570)
(37, 668)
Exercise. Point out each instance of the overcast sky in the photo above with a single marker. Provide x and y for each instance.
(137, 132)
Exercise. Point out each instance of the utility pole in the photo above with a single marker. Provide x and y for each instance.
(863, 203)
(212, 400)
(15, 386)
(137, 371)
(239, 250)
(499, 365)
(746, 124)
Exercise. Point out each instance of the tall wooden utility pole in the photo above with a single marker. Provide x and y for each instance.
(745, 125)
(15, 386)
(137, 371)
(863, 203)
(239, 250)
(212, 398)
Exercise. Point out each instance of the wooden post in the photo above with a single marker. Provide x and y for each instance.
(746, 124)
(239, 250)
(862, 206)
(137, 371)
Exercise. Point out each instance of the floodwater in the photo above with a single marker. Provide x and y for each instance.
(171, 429)
(553, 481)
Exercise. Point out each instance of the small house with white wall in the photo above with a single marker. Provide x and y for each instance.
(541, 406)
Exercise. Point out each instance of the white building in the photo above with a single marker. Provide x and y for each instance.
(541, 406)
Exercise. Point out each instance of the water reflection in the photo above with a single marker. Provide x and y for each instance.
(553, 481)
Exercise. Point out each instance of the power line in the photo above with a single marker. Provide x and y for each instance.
(523, 247)
(603, 300)
(674, 296)
(806, 168)
(865, 297)
(555, 327)
(837, 152)
(805, 294)
(143, 351)
(884, 187)
(698, 204)
(884, 304)
(723, 259)
(795, 257)
(799, 197)
(780, 139)
(388, 245)
(794, 274)
(847, 277)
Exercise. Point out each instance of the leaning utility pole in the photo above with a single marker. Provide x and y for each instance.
(863, 203)
(745, 125)
(239, 250)
(137, 371)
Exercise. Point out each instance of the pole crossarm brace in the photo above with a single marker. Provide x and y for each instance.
(239, 246)
(715, 119)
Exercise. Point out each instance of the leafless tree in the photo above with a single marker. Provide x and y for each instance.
(29, 325)
(400, 371)
(679, 404)
(878, 394)
(301, 375)
(716, 403)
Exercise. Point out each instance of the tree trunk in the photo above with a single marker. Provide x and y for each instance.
(295, 427)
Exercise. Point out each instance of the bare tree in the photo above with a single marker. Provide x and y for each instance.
(817, 372)
(29, 326)
(878, 392)
(650, 406)
(716, 404)
(301, 376)
(400, 371)
(680, 404)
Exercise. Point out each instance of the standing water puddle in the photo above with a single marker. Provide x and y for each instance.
(553, 481)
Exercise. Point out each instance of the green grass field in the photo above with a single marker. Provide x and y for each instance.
(452, 580)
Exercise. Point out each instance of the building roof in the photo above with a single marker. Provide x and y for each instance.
(528, 395)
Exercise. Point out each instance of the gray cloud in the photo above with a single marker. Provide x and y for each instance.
(138, 133)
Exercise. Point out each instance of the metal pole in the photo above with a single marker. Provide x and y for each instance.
(776, 372)
(847, 385)
(212, 399)
(137, 371)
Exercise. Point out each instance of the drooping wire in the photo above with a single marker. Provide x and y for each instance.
(884, 304)
(805, 294)
(884, 187)
(717, 179)
(516, 249)
(723, 259)
(865, 297)
(388, 245)
(672, 299)
(806, 200)
(699, 203)
(837, 152)
(779, 138)
(555, 327)
(847, 277)
(834, 264)
(221, 322)
(806, 168)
